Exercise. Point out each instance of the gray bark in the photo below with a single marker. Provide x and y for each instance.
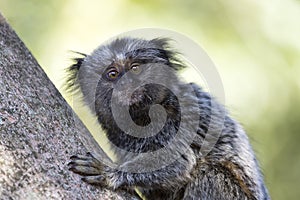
(38, 132)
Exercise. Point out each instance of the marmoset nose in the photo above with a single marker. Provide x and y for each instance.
(128, 79)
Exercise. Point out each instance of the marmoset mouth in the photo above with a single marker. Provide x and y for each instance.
(137, 99)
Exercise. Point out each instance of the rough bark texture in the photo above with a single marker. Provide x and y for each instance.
(38, 132)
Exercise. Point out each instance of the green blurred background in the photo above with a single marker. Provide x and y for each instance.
(255, 45)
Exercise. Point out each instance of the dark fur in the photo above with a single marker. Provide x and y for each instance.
(228, 171)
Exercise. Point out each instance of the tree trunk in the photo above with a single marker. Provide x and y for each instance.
(38, 132)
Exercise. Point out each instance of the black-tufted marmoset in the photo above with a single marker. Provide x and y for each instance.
(122, 82)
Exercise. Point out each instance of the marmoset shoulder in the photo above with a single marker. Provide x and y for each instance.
(172, 139)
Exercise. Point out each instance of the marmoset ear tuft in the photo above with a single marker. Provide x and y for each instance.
(72, 73)
(172, 54)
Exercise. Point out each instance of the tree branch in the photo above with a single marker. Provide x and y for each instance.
(38, 131)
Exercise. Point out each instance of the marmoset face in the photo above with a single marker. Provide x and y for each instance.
(129, 74)
(136, 72)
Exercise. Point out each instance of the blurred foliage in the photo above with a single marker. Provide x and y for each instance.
(255, 45)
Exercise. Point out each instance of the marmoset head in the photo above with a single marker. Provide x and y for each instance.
(138, 72)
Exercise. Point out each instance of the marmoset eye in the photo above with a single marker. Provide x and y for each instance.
(113, 74)
(135, 68)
